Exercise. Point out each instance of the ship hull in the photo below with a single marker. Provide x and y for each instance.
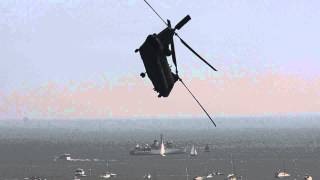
(157, 152)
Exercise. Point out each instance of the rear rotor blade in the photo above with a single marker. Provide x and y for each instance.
(194, 52)
(182, 22)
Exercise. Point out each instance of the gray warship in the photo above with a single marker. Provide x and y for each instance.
(155, 147)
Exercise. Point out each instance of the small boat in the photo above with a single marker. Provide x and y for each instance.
(34, 178)
(193, 151)
(155, 147)
(108, 175)
(198, 178)
(211, 175)
(307, 177)
(282, 174)
(232, 177)
(80, 173)
(207, 148)
(147, 176)
(65, 156)
(76, 178)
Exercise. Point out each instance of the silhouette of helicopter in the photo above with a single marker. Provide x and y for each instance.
(154, 52)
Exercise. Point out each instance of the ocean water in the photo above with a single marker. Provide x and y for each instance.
(256, 150)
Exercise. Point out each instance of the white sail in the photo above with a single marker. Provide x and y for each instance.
(162, 149)
(193, 151)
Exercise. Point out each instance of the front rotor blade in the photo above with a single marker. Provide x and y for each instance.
(174, 59)
(194, 52)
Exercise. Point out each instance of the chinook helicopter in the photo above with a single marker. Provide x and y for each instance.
(154, 52)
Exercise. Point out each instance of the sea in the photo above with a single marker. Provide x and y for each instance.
(252, 147)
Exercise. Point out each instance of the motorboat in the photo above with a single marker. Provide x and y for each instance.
(108, 175)
(232, 177)
(147, 176)
(307, 177)
(282, 174)
(80, 173)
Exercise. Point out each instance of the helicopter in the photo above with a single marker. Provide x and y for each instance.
(154, 52)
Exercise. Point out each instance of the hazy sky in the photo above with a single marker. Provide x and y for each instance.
(68, 59)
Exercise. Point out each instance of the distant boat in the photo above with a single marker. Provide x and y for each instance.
(207, 148)
(64, 156)
(198, 178)
(147, 176)
(232, 177)
(25, 119)
(34, 178)
(282, 174)
(211, 175)
(80, 173)
(76, 178)
(108, 175)
(155, 148)
(307, 177)
(193, 151)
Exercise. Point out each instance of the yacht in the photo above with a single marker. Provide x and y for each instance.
(232, 177)
(207, 148)
(282, 174)
(76, 178)
(108, 175)
(307, 177)
(211, 175)
(65, 156)
(193, 151)
(147, 176)
(34, 178)
(80, 173)
(198, 178)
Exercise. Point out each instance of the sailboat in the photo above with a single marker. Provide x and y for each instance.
(207, 148)
(76, 178)
(187, 174)
(147, 176)
(282, 173)
(162, 148)
(233, 175)
(80, 173)
(193, 151)
(108, 174)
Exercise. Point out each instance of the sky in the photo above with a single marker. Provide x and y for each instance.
(75, 59)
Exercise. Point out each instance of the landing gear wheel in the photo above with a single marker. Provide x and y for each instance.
(143, 75)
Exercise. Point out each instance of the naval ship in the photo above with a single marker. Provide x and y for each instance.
(155, 148)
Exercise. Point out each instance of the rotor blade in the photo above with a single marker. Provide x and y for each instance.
(173, 52)
(155, 12)
(182, 22)
(198, 102)
(194, 52)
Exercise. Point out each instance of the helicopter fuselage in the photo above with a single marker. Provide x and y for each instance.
(154, 52)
